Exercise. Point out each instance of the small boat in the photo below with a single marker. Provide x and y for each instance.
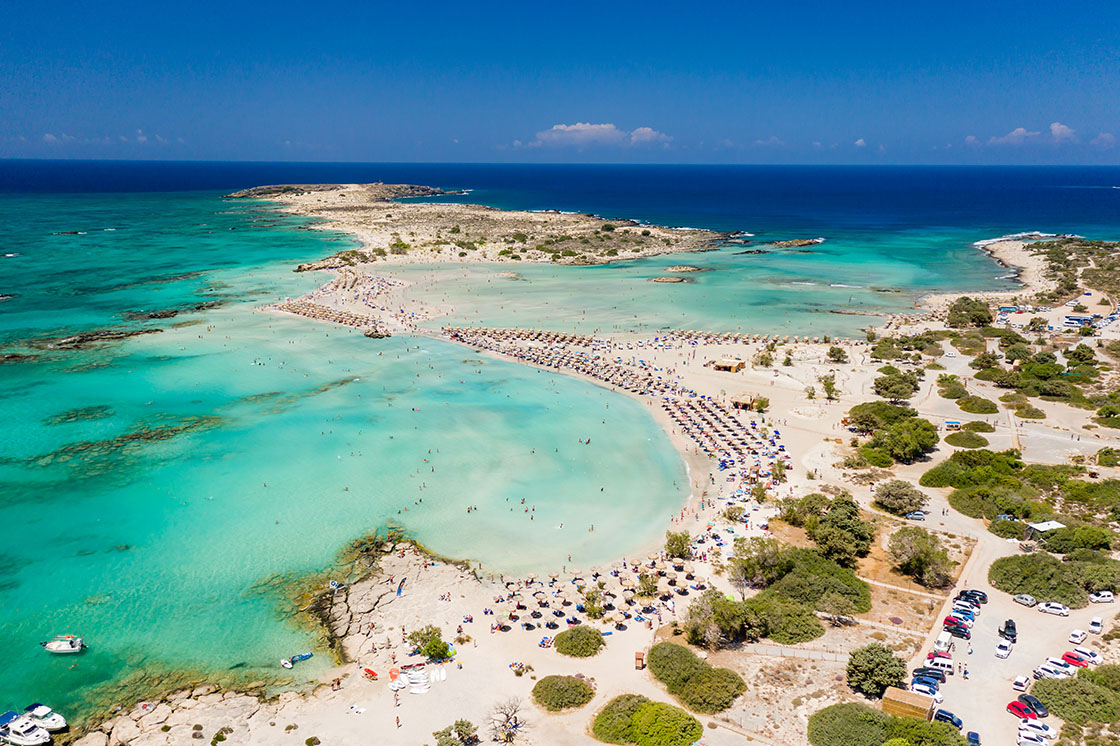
(64, 644)
(18, 730)
(44, 717)
(289, 662)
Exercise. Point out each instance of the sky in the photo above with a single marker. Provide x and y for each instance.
(736, 82)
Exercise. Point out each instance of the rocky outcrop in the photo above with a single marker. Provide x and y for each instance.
(683, 268)
(797, 242)
(667, 279)
(376, 192)
(85, 339)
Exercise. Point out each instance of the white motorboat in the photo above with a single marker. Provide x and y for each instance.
(18, 730)
(64, 645)
(44, 717)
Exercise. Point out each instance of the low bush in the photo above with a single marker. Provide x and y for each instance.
(1028, 412)
(697, 685)
(555, 693)
(1078, 700)
(966, 439)
(873, 668)
(578, 642)
(1107, 675)
(977, 405)
(633, 719)
(1049, 579)
(979, 426)
(856, 724)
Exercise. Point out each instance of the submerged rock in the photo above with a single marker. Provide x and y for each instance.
(667, 279)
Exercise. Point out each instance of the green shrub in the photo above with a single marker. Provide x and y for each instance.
(691, 680)
(578, 642)
(633, 719)
(1030, 413)
(966, 439)
(873, 668)
(899, 497)
(848, 724)
(966, 312)
(1049, 579)
(1107, 675)
(1078, 700)
(977, 405)
(555, 693)
(876, 456)
(429, 641)
(979, 426)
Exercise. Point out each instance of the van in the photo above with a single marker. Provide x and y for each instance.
(941, 664)
(944, 643)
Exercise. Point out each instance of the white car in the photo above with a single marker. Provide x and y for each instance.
(1003, 649)
(1053, 607)
(1089, 655)
(1026, 725)
(929, 691)
(1101, 597)
(1021, 683)
(1096, 625)
(962, 619)
(1030, 739)
(1078, 636)
(1058, 663)
(1046, 671)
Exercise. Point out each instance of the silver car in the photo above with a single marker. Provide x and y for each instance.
(1025, 599)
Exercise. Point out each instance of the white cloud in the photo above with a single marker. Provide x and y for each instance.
(123, 138)
(771, 142)
(972, 141)
(160, 140)
(48, 137)
(817, 145)
(585, 134)
(1017, 136)
(140, 136)
(860, 143)
(1062, 133)
(180, 140)
(1103, 140)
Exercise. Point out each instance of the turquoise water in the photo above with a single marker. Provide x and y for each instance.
(829, 288)
(196, 463)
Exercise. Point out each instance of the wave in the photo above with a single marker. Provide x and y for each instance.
(799, 282)
(11, 254)
(742, 234)
(842, 285)
(1026, 235)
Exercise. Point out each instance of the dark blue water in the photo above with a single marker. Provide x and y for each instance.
(991, 200)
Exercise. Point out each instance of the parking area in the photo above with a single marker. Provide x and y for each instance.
(981, 699)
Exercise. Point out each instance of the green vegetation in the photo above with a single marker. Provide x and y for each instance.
(837, 354)
(897, 433)
(677, 544)
(950, 387)
(856, 724)
(873, 668)
(977, 405)
(966, 312)
(1078, 700)
(897, 386)
(840, 534)
(697, 685)
(979, 426)
(1049, 579)
(555, 693)
(429, 641)
(578, 642)
(461, 733)
(918, 554)
(899, 497)
(633, 719)
(966, 439)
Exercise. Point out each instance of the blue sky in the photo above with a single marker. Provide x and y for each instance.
(795, 82)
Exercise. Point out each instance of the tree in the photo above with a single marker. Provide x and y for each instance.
(966, 311)
(918, 553)
(429, 641)
(828, 383)
(647, 586)
(876, 415)
(505, 721)
(763, 359)
(761, 404)
(896, 386)
(907, 439)
(678, 544)
(713, 620)
(873, 668)
(461, 733)
(778, 472)
(837, 354)
(593, 603)
(836, 606)
(985, 360)
(899, 497)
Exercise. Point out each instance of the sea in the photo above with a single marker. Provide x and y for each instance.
(168, 495)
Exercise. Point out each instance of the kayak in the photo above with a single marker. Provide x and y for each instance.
(289, 662)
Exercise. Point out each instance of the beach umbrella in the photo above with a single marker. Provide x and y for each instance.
(651, 557)
(576, 573)
(554, 575)
(532, 576)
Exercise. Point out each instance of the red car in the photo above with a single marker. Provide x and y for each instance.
(952, 621)
(1020, 710)
(938, 654)
(1074, 659)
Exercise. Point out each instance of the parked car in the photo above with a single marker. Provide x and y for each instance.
(916, 515)
(1009, 631)
(1020, 710)
(960, 619)
(933, 673)
(1029, 739)
(1047, 671)
(1089, 655)
(928, 691)
(973, 738)
(1026, 725)
(1053, 607)
(1101, 597)
(1096, 625)
(927, 681)
(958, 631)
(1021, 683)
(980, 596)
(1077, 636)
(1059, 664)
(933, 654)
(1003, 649)
(1036, 706)
(1025, 599)
(1074, 659)
(945, 716)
